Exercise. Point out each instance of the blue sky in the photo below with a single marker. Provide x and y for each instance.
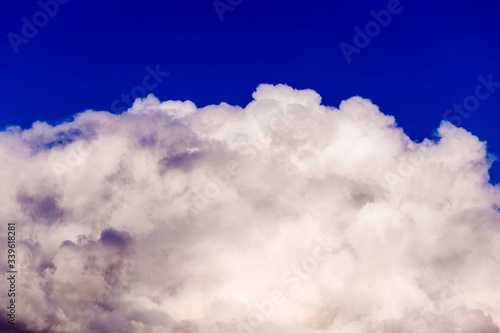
(427, 58)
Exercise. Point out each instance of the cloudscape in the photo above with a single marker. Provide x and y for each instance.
(285, 215)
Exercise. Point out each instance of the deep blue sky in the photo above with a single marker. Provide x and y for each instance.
(426, 59)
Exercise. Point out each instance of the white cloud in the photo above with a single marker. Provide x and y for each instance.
(169, 218)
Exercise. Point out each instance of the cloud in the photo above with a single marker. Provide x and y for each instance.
(283, 216)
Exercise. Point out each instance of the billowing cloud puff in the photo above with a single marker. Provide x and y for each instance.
(283, 216)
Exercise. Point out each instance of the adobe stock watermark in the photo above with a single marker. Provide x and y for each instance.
(149, 82)
(212, 189)
(75, 156)
(284, 121)
(30, 28)
(292, 278)
(483, 91)
(296, 120)
(218, 182)
(372, 29)
(471, 103)
(449, 299)
(222, 6)
(408, 166)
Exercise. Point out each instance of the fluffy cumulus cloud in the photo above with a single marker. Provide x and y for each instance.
(282, 216)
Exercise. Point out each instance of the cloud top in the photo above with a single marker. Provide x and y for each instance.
(283, 216)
